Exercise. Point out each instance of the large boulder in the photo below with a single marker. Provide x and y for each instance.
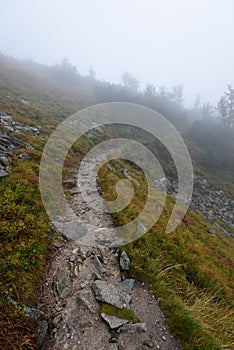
(110, 294)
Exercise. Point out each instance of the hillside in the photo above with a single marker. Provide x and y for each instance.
(189, 272)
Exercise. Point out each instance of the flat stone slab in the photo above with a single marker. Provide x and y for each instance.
(61, 283)
(128, 283)
(113, 321)
(132, 328)
(86, 298)
(110, 294)
(124, 261)
(98, 265)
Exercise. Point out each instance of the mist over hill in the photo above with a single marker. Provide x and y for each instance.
(61, 90)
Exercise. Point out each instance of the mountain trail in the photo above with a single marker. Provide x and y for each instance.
(91, 304)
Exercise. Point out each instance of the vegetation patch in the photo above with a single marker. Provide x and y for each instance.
(125, 314)
(188, 269)
(24, 246)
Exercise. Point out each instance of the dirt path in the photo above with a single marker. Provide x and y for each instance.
(79, 277)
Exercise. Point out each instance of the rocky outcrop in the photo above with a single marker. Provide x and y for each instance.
(214, 205)
(9, 142)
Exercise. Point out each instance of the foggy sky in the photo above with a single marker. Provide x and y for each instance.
(163, 42)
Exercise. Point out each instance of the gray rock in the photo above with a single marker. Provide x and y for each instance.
(61, 283)
(9, 128)
(124, 261)
(41, 332)
(128, 284)
(86, 298)
(4, 160)
(211, 232)
(113, 321)
(57, 319)
(72, 258)
(132, 328)
(84, 284)
(82, 253)
(98, 265)
(34, 314)
(28, 146)
(4, 141)
(58, 244)
(3, 174)
(25, 156)
(110, 294)
(6, 118)
(96, 276)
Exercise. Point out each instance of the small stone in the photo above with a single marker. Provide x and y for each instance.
(96, 276)
(98, 265)
(61, 282)
(28, 146)
(34, 314)
(56, 319)
(6, 119)
(41, 331)
(25, 156)
(58, 244)
(133, 328)
(113, 340)
(72, 258)
(124, 261)
(164, 338)
(211, 232)
(82, 253)
(3, 174)
(84, 284)
(4, 160)
(128, 284)
(86, 298)
(113, 321)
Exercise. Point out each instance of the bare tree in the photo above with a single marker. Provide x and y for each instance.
(150, 90)
(130, 81)
(226, 108)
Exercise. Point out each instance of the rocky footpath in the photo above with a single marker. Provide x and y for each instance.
(91, 301)
(9, 142)
(80, 283)
(88, 300)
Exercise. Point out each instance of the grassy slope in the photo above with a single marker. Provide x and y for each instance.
(24, 244)
(191, 271)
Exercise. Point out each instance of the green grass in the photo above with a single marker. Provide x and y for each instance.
(24, 246)
(191, 271)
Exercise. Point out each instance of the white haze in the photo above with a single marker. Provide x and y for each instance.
(166, 42)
